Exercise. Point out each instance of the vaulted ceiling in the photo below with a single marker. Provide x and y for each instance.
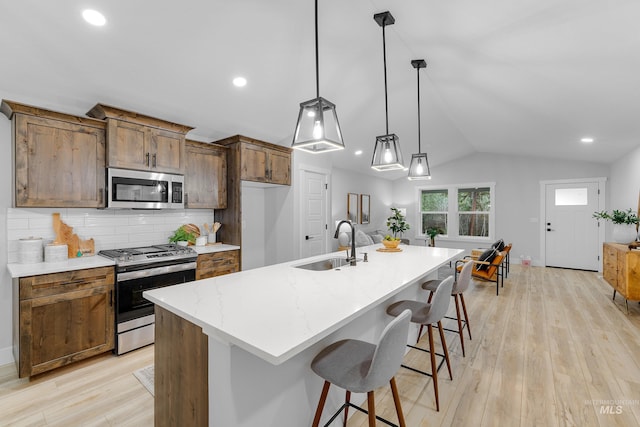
(528, 77)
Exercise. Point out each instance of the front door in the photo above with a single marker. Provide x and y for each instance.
(314, 214)
(571, 232)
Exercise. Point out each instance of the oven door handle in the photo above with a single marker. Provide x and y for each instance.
(155, 271)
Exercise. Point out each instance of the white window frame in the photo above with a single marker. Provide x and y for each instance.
(452, 213)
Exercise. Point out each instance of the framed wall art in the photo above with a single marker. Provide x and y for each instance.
(365, 209)
(352, 207)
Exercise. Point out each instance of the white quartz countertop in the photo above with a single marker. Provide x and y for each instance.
(207, 249)
(24, 270)
(276, 312)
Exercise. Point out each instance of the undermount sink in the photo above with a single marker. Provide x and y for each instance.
(324, 264)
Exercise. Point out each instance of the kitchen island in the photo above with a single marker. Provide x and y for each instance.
(235, 350)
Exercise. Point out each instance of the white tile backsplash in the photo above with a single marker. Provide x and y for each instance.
(110, 229)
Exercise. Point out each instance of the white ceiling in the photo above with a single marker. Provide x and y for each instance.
(529, 77)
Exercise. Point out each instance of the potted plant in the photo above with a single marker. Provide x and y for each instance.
(181, 235)
(397, 225)
(432, 232)
(624, 224)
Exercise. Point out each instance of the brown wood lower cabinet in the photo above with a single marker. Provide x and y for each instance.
(63, 318)
(217, 264)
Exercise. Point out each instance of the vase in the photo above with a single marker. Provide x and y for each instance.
(433, 242)
(624, 233)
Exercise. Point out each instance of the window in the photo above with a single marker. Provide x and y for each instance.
(474, 207)
(458, 211)
(434, 208)
(571, 197)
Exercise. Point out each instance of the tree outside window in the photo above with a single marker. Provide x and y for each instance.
(474, 207)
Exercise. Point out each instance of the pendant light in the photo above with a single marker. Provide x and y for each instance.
(317, 130)
(386, 154)
(419, 167)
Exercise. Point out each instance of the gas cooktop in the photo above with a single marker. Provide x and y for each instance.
(149, 254)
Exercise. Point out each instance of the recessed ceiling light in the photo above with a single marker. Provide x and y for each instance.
(586, 140)
(240, 82)
(358, 152)
(94, 17)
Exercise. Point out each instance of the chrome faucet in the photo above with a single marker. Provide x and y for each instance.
(352, 258)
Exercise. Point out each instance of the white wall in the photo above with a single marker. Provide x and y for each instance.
(253, 226)
(380, 190)
(625, 182)
(517, 191)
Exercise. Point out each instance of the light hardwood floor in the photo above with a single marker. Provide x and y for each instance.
(551, 350)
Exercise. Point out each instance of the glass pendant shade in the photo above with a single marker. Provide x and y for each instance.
(386, 154)
(419, 167)
(318, 130)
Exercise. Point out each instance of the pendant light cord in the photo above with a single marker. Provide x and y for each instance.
(317, 57)
(384, 58)
(418, 72)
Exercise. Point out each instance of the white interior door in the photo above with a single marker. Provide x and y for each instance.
(314, 214)
(571, 232)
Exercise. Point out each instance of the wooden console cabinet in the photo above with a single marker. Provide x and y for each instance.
(62, 318)
(59, 158)
(217, 264)
(621, 269)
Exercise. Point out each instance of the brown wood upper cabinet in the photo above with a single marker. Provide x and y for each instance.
(205, 176)
(59, 158)
(261, 161)
(63, 318)
(139, 142)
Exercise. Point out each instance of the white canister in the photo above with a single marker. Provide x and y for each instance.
(212, 237)
(30, 250)
(55, 253)
(201, 241)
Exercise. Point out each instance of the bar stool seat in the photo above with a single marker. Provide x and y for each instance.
(361, 367)
(427, 314)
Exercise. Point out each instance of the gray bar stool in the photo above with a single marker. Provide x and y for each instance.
(425, 313)
(362, 367)
(459, 286)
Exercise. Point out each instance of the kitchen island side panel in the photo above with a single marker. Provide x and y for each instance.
(181, 366)
(247, 391)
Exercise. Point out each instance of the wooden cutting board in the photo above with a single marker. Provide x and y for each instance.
(65, 236)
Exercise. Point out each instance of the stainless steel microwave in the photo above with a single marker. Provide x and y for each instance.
(144, 190)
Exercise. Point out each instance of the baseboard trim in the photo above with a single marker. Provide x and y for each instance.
(6, 356)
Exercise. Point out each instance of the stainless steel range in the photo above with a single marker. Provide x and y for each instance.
(139, 270)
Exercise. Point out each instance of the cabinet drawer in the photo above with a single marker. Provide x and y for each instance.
(217, 264)
(45, 285)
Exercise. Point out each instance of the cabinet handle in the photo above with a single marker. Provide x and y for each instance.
(147, 159)
(101, 196)
(111, 298)
(154, 161)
